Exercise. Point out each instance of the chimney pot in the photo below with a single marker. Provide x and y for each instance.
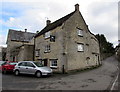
(48, 22)
(77, 7)
(25, 30)
(37, 31)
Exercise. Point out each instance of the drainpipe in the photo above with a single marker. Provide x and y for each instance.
(99, 59)
(34, 50)
(63, 70)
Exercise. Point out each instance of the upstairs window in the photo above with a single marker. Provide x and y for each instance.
(80, 47)
(80, 32)
(37, 53)
(47, 48)
(47, 34)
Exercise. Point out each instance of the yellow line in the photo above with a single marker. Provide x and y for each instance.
(114, 81)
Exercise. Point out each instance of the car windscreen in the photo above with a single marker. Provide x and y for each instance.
(4, 63)
(38, 64)
(12, 63)
(1, 62)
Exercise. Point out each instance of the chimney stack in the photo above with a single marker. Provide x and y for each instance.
(37, 31)
(77, 7)
(25, 30)
(48, 22)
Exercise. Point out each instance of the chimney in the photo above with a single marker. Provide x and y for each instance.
(37, 31)
(25, 30)
(48, 22)
(77, 7)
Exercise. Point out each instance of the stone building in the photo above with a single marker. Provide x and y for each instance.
(2, 53)
(67, 44)
(20, 45)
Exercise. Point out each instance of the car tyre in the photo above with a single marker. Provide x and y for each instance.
(38, 74)
(16, 72)
(4, 71)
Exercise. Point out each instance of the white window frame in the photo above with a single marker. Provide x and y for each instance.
(37, 53)
(53, 63)
(80, 47)
(47, 34)
(80, 32)
(47, 48)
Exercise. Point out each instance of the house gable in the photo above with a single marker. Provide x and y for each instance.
(55, 24)
(69, 48)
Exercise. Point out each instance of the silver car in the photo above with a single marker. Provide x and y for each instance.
(32, 67)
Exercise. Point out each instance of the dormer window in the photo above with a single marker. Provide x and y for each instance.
(47, 34)
(80, 32)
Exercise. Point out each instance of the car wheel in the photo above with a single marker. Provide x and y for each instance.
(4, 71)
(16, 72)
(38, 74)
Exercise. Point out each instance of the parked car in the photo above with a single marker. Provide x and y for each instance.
(8, 66)
(1, 62)
(32, 67)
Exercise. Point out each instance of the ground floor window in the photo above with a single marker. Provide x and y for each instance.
(53, 63)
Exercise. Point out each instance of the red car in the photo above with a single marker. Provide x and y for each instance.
(1, 62)
(8, 66)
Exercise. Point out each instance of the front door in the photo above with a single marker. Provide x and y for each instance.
(45, 62)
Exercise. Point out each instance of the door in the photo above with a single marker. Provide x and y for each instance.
(30, 68)
(45, 62)
(22, 67)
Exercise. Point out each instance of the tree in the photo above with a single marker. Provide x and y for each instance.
(105, 47)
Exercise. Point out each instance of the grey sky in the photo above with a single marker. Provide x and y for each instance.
(100, 15)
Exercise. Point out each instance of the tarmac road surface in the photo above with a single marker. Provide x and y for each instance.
(97, 79)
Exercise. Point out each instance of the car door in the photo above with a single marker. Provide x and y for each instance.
(22, 67)
(30, 68)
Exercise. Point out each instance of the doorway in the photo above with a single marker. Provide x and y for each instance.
(45, 62)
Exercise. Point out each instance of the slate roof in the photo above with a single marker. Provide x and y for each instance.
(21, 36)
(55, 24)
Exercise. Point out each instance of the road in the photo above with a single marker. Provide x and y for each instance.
(101, 78)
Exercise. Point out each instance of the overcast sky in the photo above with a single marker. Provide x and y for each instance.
(100, 15)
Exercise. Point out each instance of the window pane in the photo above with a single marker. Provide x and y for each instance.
(47, 35)
(22, 64)
(47, 48)
(53, 63)
(37, 52)
(80, 32)
(80, 47)
(52, 38)
(30, 64)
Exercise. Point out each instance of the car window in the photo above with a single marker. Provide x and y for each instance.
(4, 63)
(30, 64)
(12, 63)
(22, 64)
(38, 64)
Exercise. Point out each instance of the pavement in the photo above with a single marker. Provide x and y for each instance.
(101, 78)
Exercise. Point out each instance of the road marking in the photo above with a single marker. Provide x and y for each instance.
(114, 82)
